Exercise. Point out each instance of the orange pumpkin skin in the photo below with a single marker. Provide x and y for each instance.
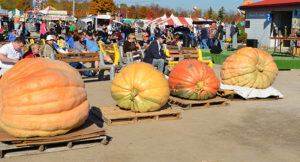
(139, 87)
(192, 79)
(42, 97)
(249, 67)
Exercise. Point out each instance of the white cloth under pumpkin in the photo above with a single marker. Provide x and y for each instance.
(247, 93)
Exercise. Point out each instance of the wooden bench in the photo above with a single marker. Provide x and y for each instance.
(187, 53)
(87, 57)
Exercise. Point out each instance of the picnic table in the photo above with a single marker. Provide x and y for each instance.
(283, 39)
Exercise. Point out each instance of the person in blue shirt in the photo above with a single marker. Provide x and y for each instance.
(93, 46)
(204, 37)
(70, 40)
(12, 35)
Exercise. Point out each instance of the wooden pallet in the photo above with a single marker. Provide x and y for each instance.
(87, 135)
(197, 104)
(113, 115)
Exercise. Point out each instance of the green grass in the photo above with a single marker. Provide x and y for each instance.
(283, 61)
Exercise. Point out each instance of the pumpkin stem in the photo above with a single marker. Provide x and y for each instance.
(259, 68)
(134, 93)
(200, 87)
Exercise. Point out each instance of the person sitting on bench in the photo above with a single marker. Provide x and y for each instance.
(155, 55)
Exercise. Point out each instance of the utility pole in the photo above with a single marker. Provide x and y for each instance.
(73, 8)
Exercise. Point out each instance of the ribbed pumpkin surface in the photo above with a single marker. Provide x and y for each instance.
(192, 79)
(249, 67)
(140, 88)
(42, 97)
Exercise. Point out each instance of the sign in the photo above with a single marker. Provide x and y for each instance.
(103, 16)
(53, 17)
(256, 15)
(56, 12)
(268, 17)
(296, 19)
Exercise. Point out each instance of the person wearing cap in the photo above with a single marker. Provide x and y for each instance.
(155, 55)
(49, 50)
(12, 35)
(10, 54)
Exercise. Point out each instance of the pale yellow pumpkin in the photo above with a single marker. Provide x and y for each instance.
(249, 67)
(140, 88)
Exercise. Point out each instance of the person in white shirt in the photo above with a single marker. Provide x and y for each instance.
(10, 54)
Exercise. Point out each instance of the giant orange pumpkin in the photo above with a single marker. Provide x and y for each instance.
(140, 88)
(192, 79)
(249, 67)
(42, 97)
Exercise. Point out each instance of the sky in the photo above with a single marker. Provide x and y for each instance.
(189, 4)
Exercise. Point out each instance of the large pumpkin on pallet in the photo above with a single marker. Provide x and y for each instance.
(42, 97)
(140, 87)
(192, 79)
(249, 67)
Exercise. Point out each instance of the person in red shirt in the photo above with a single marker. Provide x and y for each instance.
(33, 52)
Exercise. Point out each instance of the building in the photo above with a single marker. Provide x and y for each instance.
(268, 18)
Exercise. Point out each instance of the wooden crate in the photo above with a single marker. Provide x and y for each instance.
(197, 104)
(114, 115)
(87, 135)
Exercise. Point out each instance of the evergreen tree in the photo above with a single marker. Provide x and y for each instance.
(221, 14)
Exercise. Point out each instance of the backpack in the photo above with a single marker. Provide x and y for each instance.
(216, 49)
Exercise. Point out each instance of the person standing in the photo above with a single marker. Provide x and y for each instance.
(211, 34)
(57, 27)
(10, 54)
(73, 27)
(67, 28)
(11, 25)
(43, 30)
(203, 38)
(219, 36)
(233, 35)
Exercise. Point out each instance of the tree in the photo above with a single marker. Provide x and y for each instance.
(142, 12)
(21, 4)
(210, 14)
(183, 14)
(150, 14)
(131, 12)
(196, 13)
(9, 4)
(101, 6)
(221, 14)
(53, 3)
(123, 12)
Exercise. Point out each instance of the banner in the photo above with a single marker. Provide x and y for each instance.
(56, 12)
(296, 19)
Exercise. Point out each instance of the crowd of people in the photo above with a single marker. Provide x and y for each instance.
(87, 40)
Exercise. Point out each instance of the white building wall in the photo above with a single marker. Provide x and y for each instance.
(259, 29)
